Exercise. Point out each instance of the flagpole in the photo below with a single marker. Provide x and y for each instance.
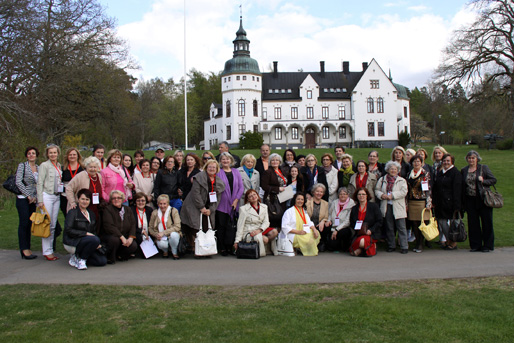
(185, 76)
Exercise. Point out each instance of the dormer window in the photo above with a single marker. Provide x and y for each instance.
(309, 94)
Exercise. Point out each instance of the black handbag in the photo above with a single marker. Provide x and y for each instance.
(457, 231)
(10, 183)
(275, 210)
(248, 250)
(183, 246)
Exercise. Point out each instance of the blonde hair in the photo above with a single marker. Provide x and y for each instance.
(79, 157)
(248, 157)
(438, 147)
(52, 146)
(211, 162)
(112, 153)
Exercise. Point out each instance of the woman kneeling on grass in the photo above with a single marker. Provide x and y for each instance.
(299, 228)
(164, 227)
(365, 221)
(79, 236)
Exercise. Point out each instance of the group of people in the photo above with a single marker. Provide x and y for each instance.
(112, 201)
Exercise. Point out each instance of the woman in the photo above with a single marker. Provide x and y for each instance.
(424, 155)
(178, 157)
(340, 210)
(437, 159)
(144, 181)
(118, 229)
(446, 198)
(363, 178)
(409, 154)
(168, 182)
(299, 229)
(289, 161)
(419, 198)
(250, 176)
(191, 168)
(139, 155)
(26, 180)
(312, 174)
(229, 203)
(345, 173)
(88, 179)
(374, 166)
(365, 223)
(72, 166)
(300, 159)
(164, 227)
(295, 179)
(398, 155)
(274, 182)
(98, 152)
(206, 156)
(49, 188)
(79, 236)
(331, 173)
(474, 178)
(253, 219)
(202, 202)
(142, 213)
(155, 165)
(116, 177)
(128, 164)
(392, 190)
(317, 208)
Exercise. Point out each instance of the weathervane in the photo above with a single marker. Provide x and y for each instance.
(241, 11)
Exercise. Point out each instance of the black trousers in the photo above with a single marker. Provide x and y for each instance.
(86, 249)
(225, 233)
(25, 210)
(342, 242)
(480, 223)
(115, 248)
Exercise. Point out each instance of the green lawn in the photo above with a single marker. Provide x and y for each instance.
(461, 310)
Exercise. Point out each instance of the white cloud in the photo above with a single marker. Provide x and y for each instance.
(420, 8)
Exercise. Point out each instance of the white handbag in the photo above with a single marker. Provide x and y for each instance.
(205, 242)
(284, 245)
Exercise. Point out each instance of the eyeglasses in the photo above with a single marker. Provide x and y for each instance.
(140, 200)
(362, 195)
(117, 198)
(207, 158)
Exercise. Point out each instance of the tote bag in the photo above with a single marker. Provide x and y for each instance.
(205, 242)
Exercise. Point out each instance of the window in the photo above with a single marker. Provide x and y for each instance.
(381, 130)
(374, 84)
(405, 112)
(253, 78)
(278, 113)
(257, 79)
(310, 112)
(256, 128)
(309, 94)
(371, 129)
(294, 133)
(229, 132)
(238, 78)
(228, 108)
(264, 113)
(255, 109)
(326, 132)
(242, 129)
(244, 78)
(278, 133)
(371, 107)
(294, 112)
(342, 132)
(324, 113)
(241, 108)
(229, 78)
(380, 105)
(342, 112)
(225, 80)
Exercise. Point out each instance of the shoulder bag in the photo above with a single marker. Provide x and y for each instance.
(10, 183)
(248, 250)
(275, 210)
(457, 231)
(429, 230)
(40, 223)
(205, 242)
(491, 199)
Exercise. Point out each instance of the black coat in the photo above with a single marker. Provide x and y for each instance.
(77, 226)
(322, 178)
(186, 183)
(373, 218)
(167, 183)
(482, 170)
(447, 193)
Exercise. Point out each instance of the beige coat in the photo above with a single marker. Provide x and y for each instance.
(249, 221)
(171, 225)
(344, 215)
(399, 193)
(80, 181)
(46, 179)
(254, 183)
(370, 185)
(333, 184)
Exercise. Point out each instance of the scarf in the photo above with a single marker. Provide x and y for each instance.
(415, 175)
(122, 212)
(361, 182)
(328, 169)
(166, 215)
(118, 170)
(248, 172)
(347, 174)
(445, 170)
(343, 205)
(390, 182)
(313, 176)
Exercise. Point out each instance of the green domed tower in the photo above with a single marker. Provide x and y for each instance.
(241, 62)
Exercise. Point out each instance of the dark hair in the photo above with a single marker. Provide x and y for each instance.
(451, 156)
(329, 156)
(158, 160)
(293, 202)
(140, 164)
(416, 157)
(368, 196)
(365, 163)
(166, 159)
(198, 163)
(339, 147)
(131, 168)
(139, 195)
(97, 147)
(31, 148)
(291, 151)
(86, 192)
(139, 152)
(250, 191)
(298, 157)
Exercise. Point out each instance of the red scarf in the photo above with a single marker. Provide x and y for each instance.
(361, 182)
(362, 212)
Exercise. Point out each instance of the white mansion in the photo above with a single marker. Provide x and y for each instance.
(306, 109)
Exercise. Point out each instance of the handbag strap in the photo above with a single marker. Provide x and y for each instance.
(423, 214)
(458, 215)
(252, 239)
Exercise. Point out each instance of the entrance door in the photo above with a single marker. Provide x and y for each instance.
(310, 139)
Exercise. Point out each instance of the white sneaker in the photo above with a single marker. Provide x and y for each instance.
(81, 264)
(412, 237)
(73, 261)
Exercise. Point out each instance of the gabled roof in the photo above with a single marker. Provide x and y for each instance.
(338, 85)
(219, 108)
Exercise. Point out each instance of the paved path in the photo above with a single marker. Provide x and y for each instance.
(218, 270)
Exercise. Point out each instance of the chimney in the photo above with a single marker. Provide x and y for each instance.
(322, 68)
(275, 68)
(346, 67)
(364, 66)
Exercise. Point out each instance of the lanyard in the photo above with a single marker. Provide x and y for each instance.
(163, 224)
(362, 212)
(141, 218)
(340, 209)
(212, 184)
(137, 166)
(279, 173)
(92, 182)
(58, 171)
(71, 173)
(302, 215)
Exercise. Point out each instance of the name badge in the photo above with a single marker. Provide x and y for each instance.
(60, 188)
(358, 225)
(336, 221)
(96, 198)
(424, 186)
(306, 228)
(212, 197)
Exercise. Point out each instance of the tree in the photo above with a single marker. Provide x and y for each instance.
(403, 139)
(484, 51)
(418, 128)
(250, 140)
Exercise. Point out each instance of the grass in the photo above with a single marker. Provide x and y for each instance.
(459, 310)
(500, 162)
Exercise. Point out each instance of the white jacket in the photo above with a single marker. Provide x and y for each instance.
(249, 221)
(399, 192)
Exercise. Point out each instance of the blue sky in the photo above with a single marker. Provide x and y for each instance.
(406, 36)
